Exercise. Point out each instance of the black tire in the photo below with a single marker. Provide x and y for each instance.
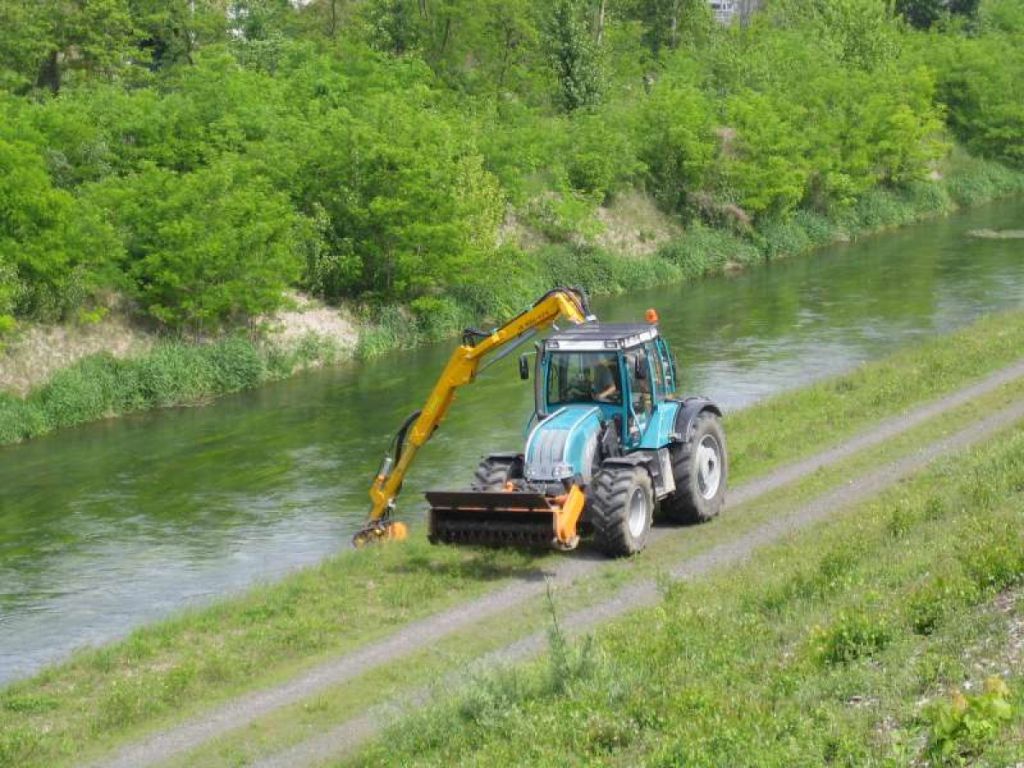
(494, 471)
(690, 502)
(613, 492)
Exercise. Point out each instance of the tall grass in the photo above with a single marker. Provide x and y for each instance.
(173, 373)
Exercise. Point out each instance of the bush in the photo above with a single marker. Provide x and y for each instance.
(704, 251)
(95, 387)
(783, 238)
(235, 364)
(851, 636)
(939, 596)
(960, 726)
(20, 419)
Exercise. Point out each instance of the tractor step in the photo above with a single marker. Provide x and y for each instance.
(493, 518)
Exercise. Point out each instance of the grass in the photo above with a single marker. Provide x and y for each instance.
(161, 673)
(172, 373)
(849, 644)
(456, 653)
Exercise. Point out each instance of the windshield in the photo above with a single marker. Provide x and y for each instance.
(584, 377)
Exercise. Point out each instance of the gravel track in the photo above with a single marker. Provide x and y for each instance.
(166, 744)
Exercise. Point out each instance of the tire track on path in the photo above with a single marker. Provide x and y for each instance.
(168, 743)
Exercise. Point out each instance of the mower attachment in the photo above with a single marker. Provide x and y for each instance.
(505, 518)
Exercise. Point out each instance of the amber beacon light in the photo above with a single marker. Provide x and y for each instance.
(651, 315)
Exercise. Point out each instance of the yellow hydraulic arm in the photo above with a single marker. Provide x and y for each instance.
(462, 367)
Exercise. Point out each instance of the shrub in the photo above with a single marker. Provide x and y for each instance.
(778, 238)
(961, 725)
(20, 419)
(851, 636)
(930, 602)
(703, 251)
(91, 389)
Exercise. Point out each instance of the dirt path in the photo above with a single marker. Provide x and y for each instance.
(176, 740)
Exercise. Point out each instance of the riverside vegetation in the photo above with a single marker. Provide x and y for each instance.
(167, 671)
(195, 161)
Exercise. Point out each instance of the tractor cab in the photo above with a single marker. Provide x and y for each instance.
(625, 370)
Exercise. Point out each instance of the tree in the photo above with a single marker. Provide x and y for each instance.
(208, 248)
(394, 25)
(172, 30)
(924, 13)
(669, 23)
(94, 36)
(921, 13)
(574, 54)
(25, 41)
(55, 250)
(405, 200)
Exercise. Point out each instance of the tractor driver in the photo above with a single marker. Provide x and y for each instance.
(606, 380)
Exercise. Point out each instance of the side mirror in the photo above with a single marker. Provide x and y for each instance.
(524, 367)
(640, 368)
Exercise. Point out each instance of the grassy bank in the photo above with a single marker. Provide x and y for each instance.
(442, 665)
(164, 672)
(700, 251)
(883, 639)
(172, 373)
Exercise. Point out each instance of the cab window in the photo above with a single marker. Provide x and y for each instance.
(584, 377)
(640, 387)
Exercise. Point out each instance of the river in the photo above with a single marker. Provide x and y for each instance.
(114, 524)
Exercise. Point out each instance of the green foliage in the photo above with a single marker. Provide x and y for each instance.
(172, 373)
(54, 248)
(574, 54)
(960, 726)
(201, 156)
(675, 137)
(851, 636)
(205, 248)
(602, 157)
(704, 251)
(980, 86)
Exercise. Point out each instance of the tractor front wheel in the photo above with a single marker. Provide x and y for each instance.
(621, 509)
(700, 467)
(494, 472)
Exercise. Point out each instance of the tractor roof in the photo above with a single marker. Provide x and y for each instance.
(596, 336)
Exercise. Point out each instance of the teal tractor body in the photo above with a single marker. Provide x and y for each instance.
(607, 421)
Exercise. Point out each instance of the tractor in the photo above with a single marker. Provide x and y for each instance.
(609, 446)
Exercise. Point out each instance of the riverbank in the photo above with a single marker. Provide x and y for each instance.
(165, 673)
(153, 373)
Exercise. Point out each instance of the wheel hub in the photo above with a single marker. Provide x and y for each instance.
(709, 466)
(637, 513)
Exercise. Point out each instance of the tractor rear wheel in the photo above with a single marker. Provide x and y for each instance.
(700, 467)
(621, 508)
(494, 472)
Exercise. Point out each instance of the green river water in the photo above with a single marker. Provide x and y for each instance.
(114, 524)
